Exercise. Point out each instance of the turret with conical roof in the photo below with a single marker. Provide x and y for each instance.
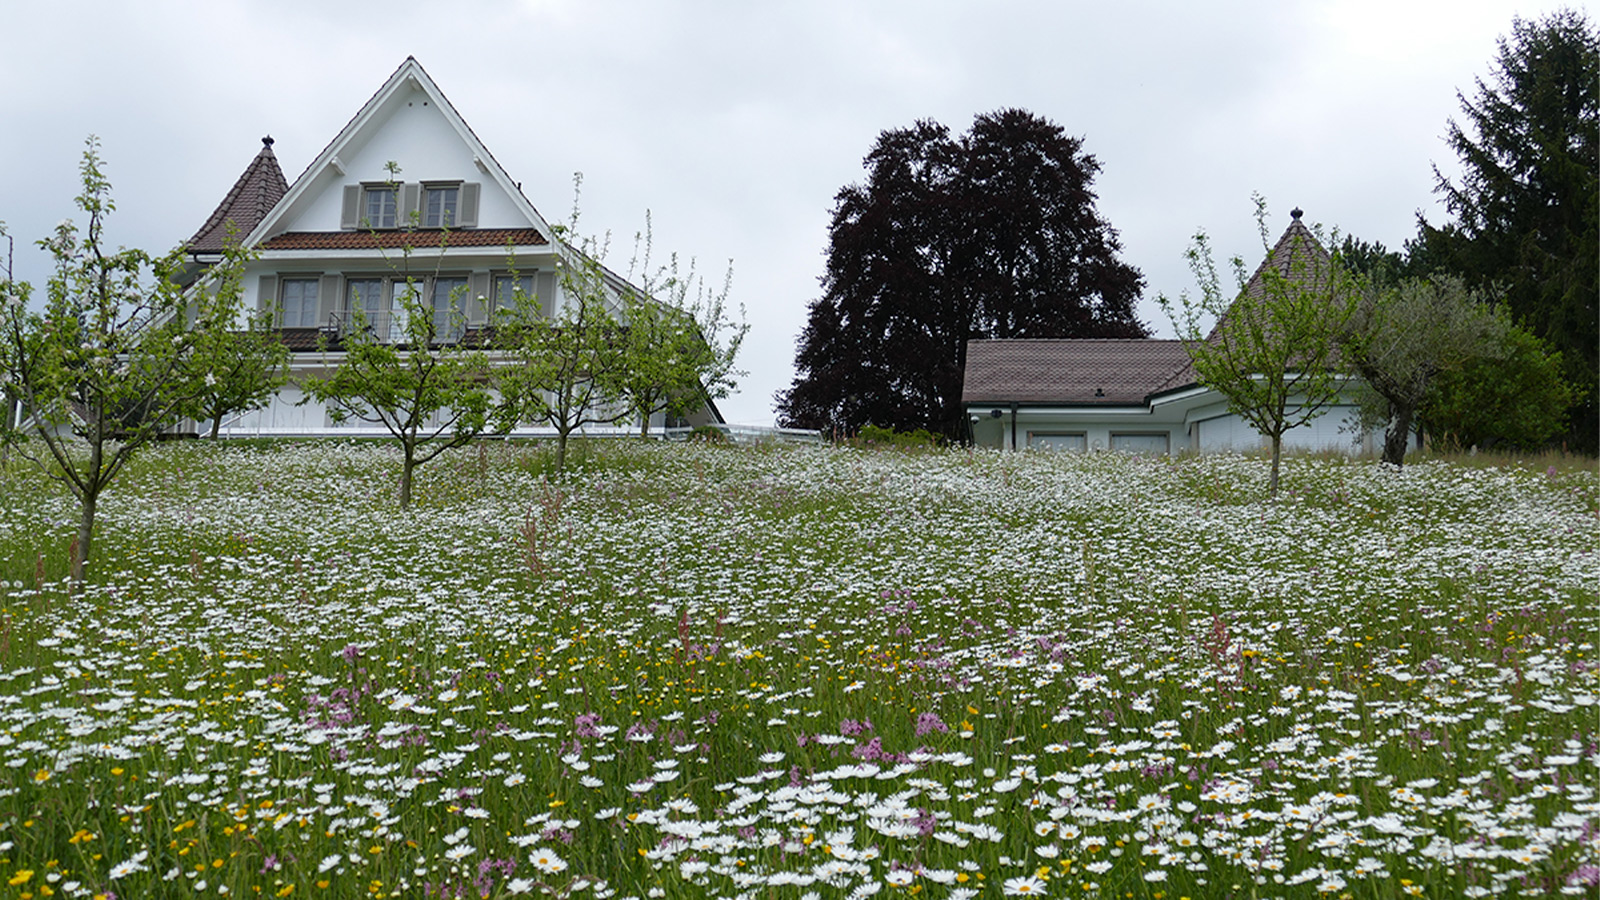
(254, 195)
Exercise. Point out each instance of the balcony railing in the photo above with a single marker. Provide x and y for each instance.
(389, 326)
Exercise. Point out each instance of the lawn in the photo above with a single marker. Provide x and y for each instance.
(703, 671)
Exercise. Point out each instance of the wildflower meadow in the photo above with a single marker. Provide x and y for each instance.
(800, 672)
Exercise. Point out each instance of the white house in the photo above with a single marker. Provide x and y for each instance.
(1137, 395)
(334, 240)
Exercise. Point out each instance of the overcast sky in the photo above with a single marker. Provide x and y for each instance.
(735, 123)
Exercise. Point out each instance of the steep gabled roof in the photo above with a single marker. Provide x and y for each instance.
(252, 197)
(410, 75)
(1069, 371)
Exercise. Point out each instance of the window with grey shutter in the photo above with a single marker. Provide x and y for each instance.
(544, 283)
(439, 205)
(327, 299)
(477, 305)
(267, 292)
(467, 205)
(409, 195)
(379, 206)
(350, 214)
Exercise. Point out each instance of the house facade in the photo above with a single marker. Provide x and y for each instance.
(1137, 395)
(405, 191)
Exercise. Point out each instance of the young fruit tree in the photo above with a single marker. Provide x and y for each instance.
(115, 358)
(248, 364)
(409, 363)
(561, 370)
(679, 342)
(408, 368)
(1273, 350)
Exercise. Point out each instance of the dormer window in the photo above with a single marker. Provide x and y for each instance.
(440, 205)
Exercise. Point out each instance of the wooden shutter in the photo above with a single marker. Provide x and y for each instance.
(327, 299)
(267, 294)
(410, 208)
(350, 215)
(544, 286)
(477, 305)
(467, 205)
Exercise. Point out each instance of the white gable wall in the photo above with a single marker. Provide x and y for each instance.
(411, 131)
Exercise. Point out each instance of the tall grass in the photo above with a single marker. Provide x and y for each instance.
(697, 671)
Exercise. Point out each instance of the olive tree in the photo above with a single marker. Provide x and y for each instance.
(1400, 339)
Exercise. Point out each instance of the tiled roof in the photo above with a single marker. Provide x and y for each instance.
(1070, 370)
(254, 195)
(1297, 254)
(297, 339)
(418, 238)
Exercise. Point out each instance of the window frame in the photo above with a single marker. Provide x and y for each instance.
(454, 211)
(1044, 441)
(441, 322)
(368, 192)
(309, 308)
(497, 301)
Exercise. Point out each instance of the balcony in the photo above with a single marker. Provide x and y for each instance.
(389, 326)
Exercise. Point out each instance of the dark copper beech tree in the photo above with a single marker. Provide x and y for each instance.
(990, 235)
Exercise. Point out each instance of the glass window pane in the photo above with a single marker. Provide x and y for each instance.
(440, 211)
(365, 294)
(299, 308)
(380, 207)
(505, 287)
(446, 289)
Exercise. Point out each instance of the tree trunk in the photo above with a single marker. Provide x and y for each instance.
(1397, 437)
(80, 547)
(644, 425)
(561, 452)
(406, 466)
(1277, 454)
(216, 425)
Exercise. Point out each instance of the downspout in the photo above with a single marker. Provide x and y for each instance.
(1013, 428)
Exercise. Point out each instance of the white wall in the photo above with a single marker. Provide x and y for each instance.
(416, 136)
(1208, 427)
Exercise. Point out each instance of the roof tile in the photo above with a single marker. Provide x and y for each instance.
(418, 238)
(254, 195)
(1072, 371)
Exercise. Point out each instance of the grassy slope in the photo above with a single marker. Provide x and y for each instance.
(707, 670)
